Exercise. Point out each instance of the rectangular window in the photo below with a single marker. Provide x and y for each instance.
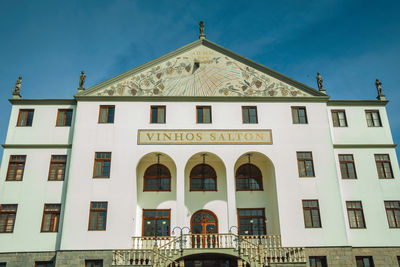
(347, 167)
(299, 115)
(312, 218)
(356, 214)
(157, 114)
(25, 117)
(393, 213)
(339, 118)
(98, 216)
(8, 214)
(106, 114)
(156, 222)
(203, 114)
(57, 167)
(364, 261)
(305, 164)
(94, 263)
(249, 114)
(383, 166)
(44, 264)
(102, 165)
(64, 117)
(318, 261)
(16, 168)
(51, 217)
(251, 221)
(373, 118)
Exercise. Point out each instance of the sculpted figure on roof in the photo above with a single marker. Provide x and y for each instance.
(17, 88)
(82, 80)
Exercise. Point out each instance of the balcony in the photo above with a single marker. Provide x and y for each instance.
(262, 250)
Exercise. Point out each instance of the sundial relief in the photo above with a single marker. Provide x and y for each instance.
(200, 72)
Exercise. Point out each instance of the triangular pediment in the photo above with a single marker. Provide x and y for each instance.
(201, 69)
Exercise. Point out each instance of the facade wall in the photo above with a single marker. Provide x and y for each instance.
(122, 188)
(43, 129)
(31, 194)
(283, 191)
(357, 130)
(372, 192)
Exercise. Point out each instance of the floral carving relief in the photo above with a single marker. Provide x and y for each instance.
(201, 72)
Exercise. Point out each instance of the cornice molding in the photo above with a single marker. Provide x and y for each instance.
(364, 145)
(321, 99)
(357, 103)
(44, 146)
(42, 101)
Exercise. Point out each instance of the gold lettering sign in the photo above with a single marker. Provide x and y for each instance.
(204, 137)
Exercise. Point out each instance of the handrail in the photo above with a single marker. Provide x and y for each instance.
(263, 249)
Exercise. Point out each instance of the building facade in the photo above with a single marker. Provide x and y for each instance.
(224, 161)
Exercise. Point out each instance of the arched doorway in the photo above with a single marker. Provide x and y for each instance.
(210, 260)
(204, 227)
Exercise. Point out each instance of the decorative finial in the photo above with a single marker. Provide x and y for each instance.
(378, 85)
(17, 88)
(320, 83)
(82, 81)
(202, 35)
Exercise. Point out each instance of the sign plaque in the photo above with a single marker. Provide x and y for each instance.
(204, 137)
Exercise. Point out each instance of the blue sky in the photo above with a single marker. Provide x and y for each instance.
(350, 42)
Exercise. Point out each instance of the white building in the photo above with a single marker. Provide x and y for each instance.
(256, 168)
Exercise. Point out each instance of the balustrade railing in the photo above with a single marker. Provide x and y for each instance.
(207, 241)
(162, 251)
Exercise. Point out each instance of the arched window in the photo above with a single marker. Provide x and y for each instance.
(203, 178)
(248, 177)
(157, 178)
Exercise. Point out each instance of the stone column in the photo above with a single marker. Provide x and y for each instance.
(180, 193)
(231, 193)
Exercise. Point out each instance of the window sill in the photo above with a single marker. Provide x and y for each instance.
(156, 190)
(249, 190)
(201, 190)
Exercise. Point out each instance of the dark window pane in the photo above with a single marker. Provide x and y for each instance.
(200, 115)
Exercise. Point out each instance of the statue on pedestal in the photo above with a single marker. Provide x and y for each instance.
(17, 88)
(320, 83)
(202, 35)
(378, 86)
(82, 81)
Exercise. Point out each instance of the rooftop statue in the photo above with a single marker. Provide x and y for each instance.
(378, 85)
(320, 82)
(202, 35)
(82, 81)
(17, 88)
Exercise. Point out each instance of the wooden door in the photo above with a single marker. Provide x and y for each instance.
(204, 227)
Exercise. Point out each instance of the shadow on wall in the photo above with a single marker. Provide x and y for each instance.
(262, 196)
(205, 186)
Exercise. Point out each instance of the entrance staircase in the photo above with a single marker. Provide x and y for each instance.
(262, 250)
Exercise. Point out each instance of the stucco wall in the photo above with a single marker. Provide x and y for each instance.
(123, 190)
